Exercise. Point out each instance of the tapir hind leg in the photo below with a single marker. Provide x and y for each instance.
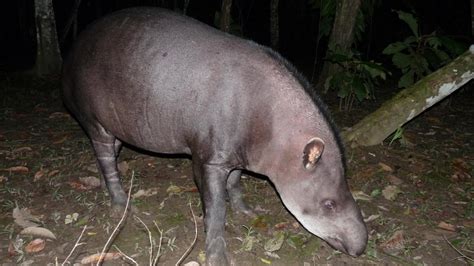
(234, 190)
(107, 147)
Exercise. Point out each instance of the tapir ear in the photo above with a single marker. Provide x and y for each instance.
(312, 152)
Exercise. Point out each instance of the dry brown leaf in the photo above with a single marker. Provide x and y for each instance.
(60, 139)
(78, 186)
(38, 231)
(145, 193)
(11, 249)
(3, 179)
(53, 173)
(385, 167)
(38, 175)
(447, 226)
(93, 259)
(17, 169)
(35, 245)
(390, 192)
(395, 243)
(22, 149)
(461, 171)
(58, 115)
(24, 218)
(394, 180)
(90, 181)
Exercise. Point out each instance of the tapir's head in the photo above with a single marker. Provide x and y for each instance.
(315, 191)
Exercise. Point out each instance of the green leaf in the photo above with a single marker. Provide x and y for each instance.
(434, 42)
(401, 60)
(394, 48)
(407, 79)
(454, 47)
(409, 19)
(360, 90)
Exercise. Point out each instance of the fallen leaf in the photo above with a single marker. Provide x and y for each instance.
(192, 263)
(90, 181)
(385, 167)
(394, 180)
(38, 231)
(24, 218)
(395, 243)
(17, 169)
(3, 178)
(123, 167)
(371, 218)
(71, 218)
(58, 115)
(145, 193)
(93, 259)
(275, 243)
(447, 226)
(53, 173)
(78, 186)
(22, 149)
(360, 195)
(461, 171)
(92, 168)
(38, 175)
(390, 192)
(60, 139)
(172, 189)
(35, 245)
(281, 225)
(248, 243)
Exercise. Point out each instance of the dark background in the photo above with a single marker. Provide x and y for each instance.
(298, 24)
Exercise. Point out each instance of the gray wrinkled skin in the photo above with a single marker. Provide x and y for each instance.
(170, 84)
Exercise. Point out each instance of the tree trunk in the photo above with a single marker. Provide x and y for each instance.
(342, 34)
(410, 102)
(274, 25)
(48, 56)
(472, 18)
(225, 15)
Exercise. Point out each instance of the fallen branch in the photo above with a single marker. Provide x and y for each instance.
(457, 250)
(112, 236)
(158, 253)
(75, 246)
(150, 239)
(194, 240)
(126, 256)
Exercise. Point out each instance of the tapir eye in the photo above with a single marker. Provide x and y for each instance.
(330, 205)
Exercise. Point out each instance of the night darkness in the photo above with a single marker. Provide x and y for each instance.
(298, 24)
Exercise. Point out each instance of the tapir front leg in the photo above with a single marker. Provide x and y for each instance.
(106, 150)
(213, 192)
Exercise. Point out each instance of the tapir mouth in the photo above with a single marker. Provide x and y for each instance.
(341, 246)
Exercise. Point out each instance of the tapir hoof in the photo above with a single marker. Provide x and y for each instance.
(216, 253)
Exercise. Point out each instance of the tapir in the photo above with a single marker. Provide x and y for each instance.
(166, 83)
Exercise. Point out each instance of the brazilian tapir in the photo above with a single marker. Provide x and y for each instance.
(167, 83)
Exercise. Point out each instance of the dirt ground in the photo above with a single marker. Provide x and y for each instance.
(416, 194)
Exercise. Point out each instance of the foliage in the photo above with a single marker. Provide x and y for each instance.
(418, 55)
(356, 81)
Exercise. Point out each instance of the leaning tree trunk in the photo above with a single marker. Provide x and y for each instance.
(48, 56)
(342, 34)
(225, 15)
(410, 102)
(274, 25)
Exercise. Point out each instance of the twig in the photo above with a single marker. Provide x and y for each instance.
(194, 240)
(150, 238)
(112, 236)
(158, 253)
(457, 250)
(126, 256)
(75, 246)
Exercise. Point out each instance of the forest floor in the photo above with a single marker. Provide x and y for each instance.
(416, 194)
